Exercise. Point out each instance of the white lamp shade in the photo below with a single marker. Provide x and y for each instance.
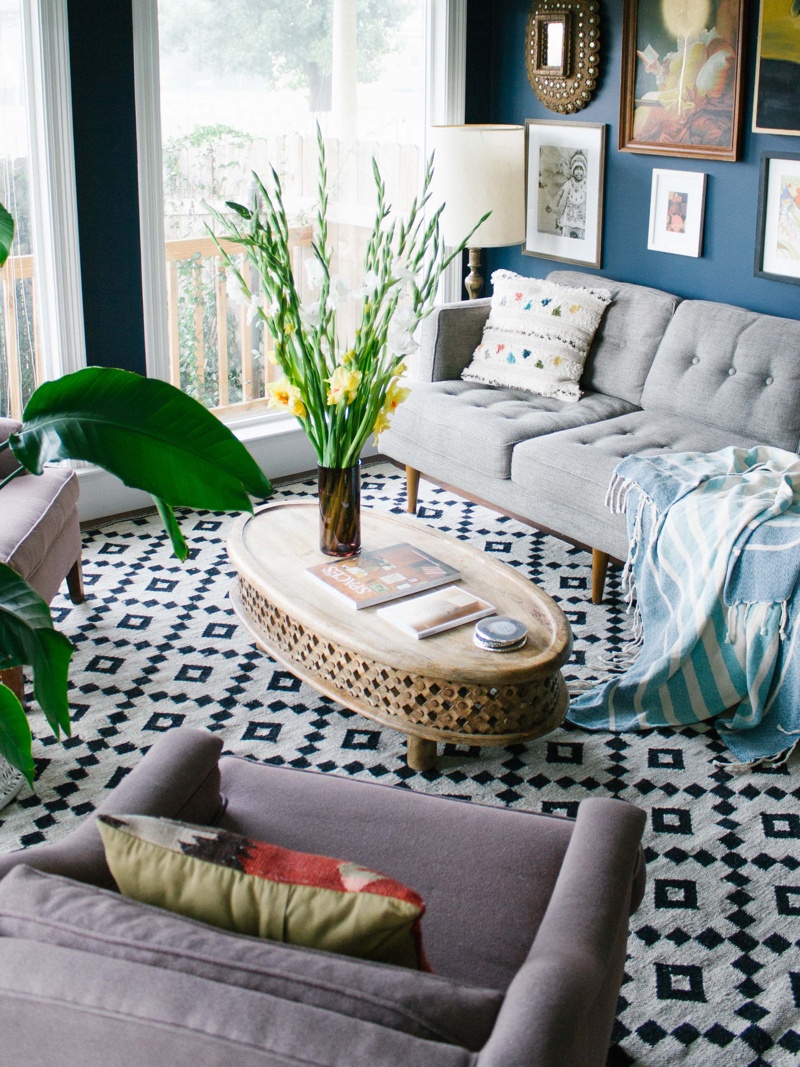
(479, 169)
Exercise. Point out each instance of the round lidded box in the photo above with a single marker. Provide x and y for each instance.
(500, 633)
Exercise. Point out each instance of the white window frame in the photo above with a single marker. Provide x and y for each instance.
(54, 213)
(445, 89)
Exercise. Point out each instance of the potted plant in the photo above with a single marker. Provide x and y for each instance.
(153, 437)
(342, 392)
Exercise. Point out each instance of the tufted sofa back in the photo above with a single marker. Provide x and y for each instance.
(625, 344)
(730, 368)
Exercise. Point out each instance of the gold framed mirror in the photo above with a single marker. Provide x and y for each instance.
(562, 48)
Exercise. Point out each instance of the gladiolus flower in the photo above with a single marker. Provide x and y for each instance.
(395, 395)
(381, 424)
(283, 394)
(343, 385)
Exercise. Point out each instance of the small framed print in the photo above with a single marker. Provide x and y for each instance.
(564, 167)
(677, 206)
(778, 234)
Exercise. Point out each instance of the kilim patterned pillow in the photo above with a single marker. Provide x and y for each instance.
(250, 887)
(537, 335)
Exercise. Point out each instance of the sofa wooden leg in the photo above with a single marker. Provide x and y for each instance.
(412, 487)
(75, 583)
(13, 680)
(599, 568)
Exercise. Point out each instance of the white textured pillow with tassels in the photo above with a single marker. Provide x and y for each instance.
(537, 335)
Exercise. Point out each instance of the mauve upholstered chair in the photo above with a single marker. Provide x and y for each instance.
(535, 906)
(40, 536)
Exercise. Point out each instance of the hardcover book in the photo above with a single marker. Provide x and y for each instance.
(382, 574)
(442, 610)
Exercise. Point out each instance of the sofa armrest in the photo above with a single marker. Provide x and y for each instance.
(177, 779)
(560, 1006)
(450, 335)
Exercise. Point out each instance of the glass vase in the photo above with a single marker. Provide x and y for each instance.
(339, 494)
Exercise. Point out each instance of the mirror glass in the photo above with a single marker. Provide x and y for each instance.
(554, 44)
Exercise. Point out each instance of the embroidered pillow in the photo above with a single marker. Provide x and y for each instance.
(537, 335)
(251, 887)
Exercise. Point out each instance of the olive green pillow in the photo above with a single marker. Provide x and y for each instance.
(263, 890)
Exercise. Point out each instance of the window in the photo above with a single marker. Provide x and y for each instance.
(40, 311)
(234, 99)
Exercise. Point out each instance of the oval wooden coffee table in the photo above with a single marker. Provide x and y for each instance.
(441, 688)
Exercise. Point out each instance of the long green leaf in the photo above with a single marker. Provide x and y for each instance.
(15, 734)
(179, 546)
(50, 655)
(27, 637)
(6, 234)
(145, 431)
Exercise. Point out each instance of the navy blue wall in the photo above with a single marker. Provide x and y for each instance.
(104, 118)
(725, 271)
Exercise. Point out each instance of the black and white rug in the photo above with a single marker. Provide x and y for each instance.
(714, 970)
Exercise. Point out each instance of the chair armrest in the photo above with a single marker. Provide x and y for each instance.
(177, 779)
(450, 335)
(560, 1006)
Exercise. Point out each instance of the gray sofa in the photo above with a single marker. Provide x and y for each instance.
(526, 929)
(663, 374)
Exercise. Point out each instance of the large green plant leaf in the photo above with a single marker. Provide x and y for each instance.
(6, 234)
(27, 637)
(15, 734)
(147, 432)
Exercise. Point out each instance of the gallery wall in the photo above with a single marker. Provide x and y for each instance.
(725, 270)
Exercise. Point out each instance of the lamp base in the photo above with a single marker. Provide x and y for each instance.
(474, 280)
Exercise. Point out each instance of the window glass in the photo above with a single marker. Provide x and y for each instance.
(19, 331)
(242, 88)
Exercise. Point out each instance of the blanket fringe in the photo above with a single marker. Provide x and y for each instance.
(765, 763)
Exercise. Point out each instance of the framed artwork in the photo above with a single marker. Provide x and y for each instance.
(564, 167)
(777, 96)
(778, 234)
(681, 78)
(677, 207)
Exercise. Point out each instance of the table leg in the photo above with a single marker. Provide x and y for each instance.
(420, 753)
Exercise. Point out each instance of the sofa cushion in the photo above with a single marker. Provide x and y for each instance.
(77, 1009)
(733, 369)
(537, 336)
(481, 424)
(252, 887)
(59, 911)
(629, 334)
(570, 471)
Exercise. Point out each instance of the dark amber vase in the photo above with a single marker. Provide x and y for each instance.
(339, 492)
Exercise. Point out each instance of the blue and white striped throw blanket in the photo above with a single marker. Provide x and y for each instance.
(714, 559)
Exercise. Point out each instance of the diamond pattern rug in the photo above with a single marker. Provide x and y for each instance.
(713, 974)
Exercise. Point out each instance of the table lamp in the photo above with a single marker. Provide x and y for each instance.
(477, 169)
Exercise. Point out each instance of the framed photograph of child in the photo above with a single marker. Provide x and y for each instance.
(778, 232)
(564, 169)
(681, 85)
(677, 207)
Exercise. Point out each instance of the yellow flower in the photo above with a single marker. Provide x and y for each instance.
(395, 395)
(343, 385)
(381, 424)
(349, 357)
(283, 394)
(399, 370)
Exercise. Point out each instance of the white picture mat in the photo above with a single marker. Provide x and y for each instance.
(569, 137)
(776, 260)
(659, 237)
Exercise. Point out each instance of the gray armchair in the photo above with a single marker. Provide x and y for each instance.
(40, 536)
(534, 906)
